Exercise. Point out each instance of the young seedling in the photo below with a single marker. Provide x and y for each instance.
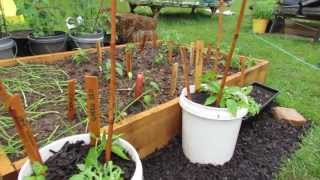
(112, 89)
(99, 55)
(93, 107)
(242, 60)
(229, 57)
(198, 64)
(186, 71)
(139, 85)
(4, 96)
(80, 57)
(71, 99)
(174, 76)
(18, 114)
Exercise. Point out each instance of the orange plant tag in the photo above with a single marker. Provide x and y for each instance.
(71, 99)
(93, 107)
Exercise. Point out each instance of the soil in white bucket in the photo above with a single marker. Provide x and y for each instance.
(209, 134)
(133, 169)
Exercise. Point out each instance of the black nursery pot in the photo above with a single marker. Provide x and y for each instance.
(21, 39)
(86, 41)
(49, 44)
(6, 46)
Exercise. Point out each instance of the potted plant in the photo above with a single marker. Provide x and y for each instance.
(90, 166)
(44, 18)
(262, 12)
(210, 131)
(88, 23)
(6, 42)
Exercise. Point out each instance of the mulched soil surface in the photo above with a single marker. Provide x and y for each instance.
(262, 145)
(63, 164)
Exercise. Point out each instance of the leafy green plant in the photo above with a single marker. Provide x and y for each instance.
(88, 17)
(263, 9)
(94, 169)
(39, 171)
(161, 57)
(80, 57)
(3, 22)
(130, 47)
(233, 98)
(107, 69)
(43, 16)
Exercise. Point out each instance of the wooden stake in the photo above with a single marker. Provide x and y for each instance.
(233, 46)
(209, 53)
(242, 60)
(198, 65)
(18, 114)
(139, 85)
(174, 76)
(99, 54)
(4, 96)
(93, 107)
(170, 52)
(186, 64)
(143, 42)
(112, 89)
(192, 53)
(154, 39)
(128, 59)
(71, 99)
(219, 36)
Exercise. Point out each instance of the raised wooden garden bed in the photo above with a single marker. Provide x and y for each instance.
(148, 130)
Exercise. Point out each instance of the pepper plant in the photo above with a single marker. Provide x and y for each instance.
(43, 16)
(88, 17)
(233, 98)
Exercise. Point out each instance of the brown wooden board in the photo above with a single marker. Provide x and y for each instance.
(152, 129)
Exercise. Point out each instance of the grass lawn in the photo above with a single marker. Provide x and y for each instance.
(298, 83)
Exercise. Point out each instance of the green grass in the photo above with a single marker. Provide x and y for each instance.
(298, 83)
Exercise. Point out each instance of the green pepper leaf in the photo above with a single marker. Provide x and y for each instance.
(210, 100)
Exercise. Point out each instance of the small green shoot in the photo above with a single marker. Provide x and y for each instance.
(107, 70)
(80, 57)
(39, 171)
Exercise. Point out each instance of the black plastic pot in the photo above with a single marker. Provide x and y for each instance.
(21, 39)
(7, 45)
(49, 44)
(85, 41)
(266, 92)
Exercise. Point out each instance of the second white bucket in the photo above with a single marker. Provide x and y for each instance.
(209, 135)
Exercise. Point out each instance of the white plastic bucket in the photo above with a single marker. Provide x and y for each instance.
(209, 135)
(45, 153)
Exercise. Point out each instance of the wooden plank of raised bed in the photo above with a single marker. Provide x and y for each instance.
(47, 58)
(6, 167)
(152, 129)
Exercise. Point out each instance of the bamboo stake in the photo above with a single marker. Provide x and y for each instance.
(128, 59)
(174, 76)
(4, 96)
(242, 60)
(219, 35)
(233, 46)
(143, 42)
(18, 114)
(71, 99)
(99, 54)
(139, 85)
(170, 52)
(112, 90)
(186, 64)
(93, 107)
(192, 53)
(198, 65)
(209, 53)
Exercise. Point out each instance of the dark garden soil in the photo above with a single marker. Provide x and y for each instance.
(63, 164)
(262, 145)
(51, 126)
(261, 95)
